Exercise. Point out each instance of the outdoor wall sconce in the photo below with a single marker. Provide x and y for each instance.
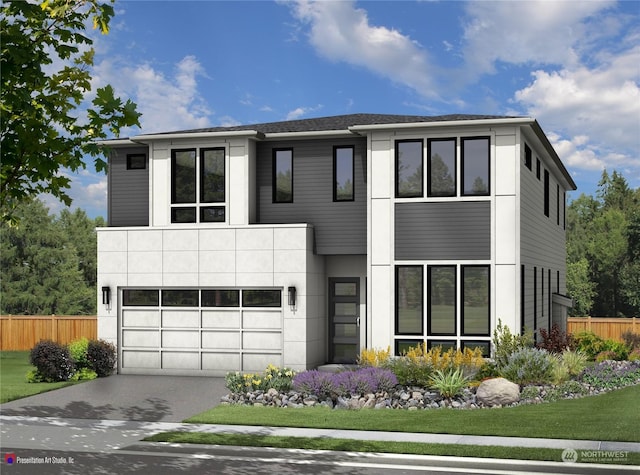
(106, 296)
(292, 296)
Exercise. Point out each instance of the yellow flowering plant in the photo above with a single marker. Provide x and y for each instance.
(273, 377)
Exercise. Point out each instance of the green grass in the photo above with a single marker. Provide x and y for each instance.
(13, 380)
(612, 416)
(317, 443)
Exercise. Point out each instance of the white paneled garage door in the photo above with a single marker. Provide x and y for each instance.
(199, 331)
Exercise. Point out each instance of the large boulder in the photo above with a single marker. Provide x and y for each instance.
(497, 392)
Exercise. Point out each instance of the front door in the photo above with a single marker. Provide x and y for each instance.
(344, 319)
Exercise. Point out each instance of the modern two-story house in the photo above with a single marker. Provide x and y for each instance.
(299, 243)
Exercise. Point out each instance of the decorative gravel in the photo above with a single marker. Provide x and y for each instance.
(605, 377)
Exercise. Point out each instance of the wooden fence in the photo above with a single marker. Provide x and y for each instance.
(22, 332)
(604, 327)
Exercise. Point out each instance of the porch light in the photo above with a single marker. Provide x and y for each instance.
(106, 295)
(292, 296)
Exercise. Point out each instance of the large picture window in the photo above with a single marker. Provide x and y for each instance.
(475, 166)
(442, 167)
(283, 176)
(343, 174)
(409, 300)
(409, 168)
(196, 184)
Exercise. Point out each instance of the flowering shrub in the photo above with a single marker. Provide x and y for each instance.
(612, 374)
(346, 383)
(374, 356)
(528, 365)
(273, 377)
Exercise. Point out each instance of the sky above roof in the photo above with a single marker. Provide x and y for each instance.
(572, 65)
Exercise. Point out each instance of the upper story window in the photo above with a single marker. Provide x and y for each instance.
(442, 167)
(343, 172)
(475, 166)
(136, 161)
(527, 156)
(409, 168)
(198, 185)
(473, 156)
(283, 175)
(546, 193)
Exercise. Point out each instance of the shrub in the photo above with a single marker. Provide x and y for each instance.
(559, 372)
(634, 355)
(78, 351)
(528, 365)
(34, 376)
(364, 381)
(574, 361)
(631, 340)
(505, 343)
(84, 374)
(101, 356)
(488, 370)
(52, 361)
(374, 357)
(314, 382)
(449, 383)
(589, 343)
(408, 372)
(555, 340)
(605, 356)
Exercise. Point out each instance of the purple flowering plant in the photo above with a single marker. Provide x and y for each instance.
(361, 381)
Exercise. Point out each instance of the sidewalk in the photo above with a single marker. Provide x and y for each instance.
(111, 435)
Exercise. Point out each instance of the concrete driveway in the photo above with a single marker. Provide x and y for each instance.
(124, 397)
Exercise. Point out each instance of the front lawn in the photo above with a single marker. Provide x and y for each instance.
(13, 381)
(614, 416)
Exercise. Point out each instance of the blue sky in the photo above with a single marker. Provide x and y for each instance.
(573, 65)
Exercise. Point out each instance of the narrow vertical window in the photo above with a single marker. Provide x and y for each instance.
(564, 210)
(558, 205)
(409, 169)
(343, 171)
(441, 318)
(527, 156)
(549, 309)
(409, 300)
(535, 299)
(522, 299)
(283, 176)
(441, 167)
(538, 168)
(475, 300)
(183, 185)
(546, 193)
(475, 166)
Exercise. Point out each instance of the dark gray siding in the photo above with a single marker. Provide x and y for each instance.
(340, 228)
(443, 231)
(128, 190)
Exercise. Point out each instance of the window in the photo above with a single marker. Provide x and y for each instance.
(140, 298)
(535, 299)
(522, 298)
(409, 169)
(475, 301)
(402, 346)
(527, 156)
(546, 193)
(220, 298)
(441, 319)
(538, 168)
(191, 196)
(261, 298)
(283, 175)
(136, 161)
(558, 205)
(442, 167)
(343, 171)
(484, 346)
(409, 300)
(445, 345)
(180, 298)
(475, 166)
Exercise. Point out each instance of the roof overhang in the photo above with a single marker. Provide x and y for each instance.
(447, 123)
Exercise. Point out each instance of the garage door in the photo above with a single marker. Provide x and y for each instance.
(199, 331)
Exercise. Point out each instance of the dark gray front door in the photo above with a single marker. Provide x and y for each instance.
(344, 319)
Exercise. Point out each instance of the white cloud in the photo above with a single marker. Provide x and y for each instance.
(537, 32)
(341, 32)
(166, 102)
(301, 111)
